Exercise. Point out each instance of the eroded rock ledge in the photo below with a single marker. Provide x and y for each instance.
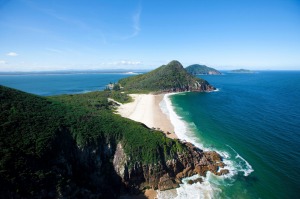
(166, 175)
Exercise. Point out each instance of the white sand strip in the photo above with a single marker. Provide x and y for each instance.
(145, 108)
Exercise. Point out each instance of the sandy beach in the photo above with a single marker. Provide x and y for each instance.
(145, 108)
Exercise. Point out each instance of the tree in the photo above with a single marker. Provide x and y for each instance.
(116, 87)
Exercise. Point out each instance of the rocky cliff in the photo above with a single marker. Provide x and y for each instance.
(102, 169)
(167, 174)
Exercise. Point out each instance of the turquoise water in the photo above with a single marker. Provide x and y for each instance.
(255, 120)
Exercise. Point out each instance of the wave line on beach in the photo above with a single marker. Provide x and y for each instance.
(208, 188)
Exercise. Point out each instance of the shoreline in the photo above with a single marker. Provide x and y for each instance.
(157, 111)
(146, 108)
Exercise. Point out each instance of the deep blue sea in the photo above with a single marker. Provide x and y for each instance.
(253, 121)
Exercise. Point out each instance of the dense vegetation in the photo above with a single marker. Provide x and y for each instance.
(43, 142)
(197, 69)
(139, 141)
(170, 77)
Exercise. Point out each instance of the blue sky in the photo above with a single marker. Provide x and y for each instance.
(135, 34)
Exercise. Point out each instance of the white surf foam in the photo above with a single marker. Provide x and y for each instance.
(180, 127)
(204, 190)
(185, 132)
(242, 165)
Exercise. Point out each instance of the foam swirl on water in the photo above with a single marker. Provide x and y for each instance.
(243, 165)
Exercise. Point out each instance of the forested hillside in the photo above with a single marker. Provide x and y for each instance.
(197, 69)
(46, 144)
(167, 78)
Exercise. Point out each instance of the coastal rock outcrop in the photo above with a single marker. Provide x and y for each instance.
(168, 175)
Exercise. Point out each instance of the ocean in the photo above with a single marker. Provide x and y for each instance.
(46, 84)
(252, 120)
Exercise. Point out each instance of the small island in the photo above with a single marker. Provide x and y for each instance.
(197, 69)
(241, 71)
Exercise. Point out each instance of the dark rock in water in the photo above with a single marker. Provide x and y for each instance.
(195, 181)
(223, 172)
(190, 182)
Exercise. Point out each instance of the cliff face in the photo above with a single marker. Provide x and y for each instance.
(167, 174)
(102, 169)
(167, 78)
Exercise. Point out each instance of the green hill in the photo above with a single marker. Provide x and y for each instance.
(197, 69)
(74, 146)
(167, 78)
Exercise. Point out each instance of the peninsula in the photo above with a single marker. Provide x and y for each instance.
(76, 146)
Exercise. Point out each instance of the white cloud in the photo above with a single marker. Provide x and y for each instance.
(12, 54)
(3, 62)
(136, 22)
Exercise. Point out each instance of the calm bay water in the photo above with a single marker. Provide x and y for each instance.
(56, 84)
(253, 120)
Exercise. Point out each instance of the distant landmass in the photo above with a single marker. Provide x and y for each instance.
(241, 71)
(197, 69)
(167, 78)
(64, 72)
